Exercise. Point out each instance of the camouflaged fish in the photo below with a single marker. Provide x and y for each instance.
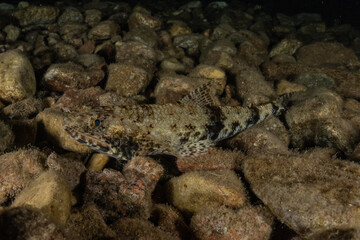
(188, 128)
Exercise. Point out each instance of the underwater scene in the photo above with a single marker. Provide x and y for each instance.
(210, 120)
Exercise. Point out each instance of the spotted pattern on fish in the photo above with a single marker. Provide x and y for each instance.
(181, 130)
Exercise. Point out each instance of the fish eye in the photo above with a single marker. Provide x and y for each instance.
(97, 122)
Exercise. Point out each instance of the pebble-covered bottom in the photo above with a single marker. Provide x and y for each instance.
(292, 177)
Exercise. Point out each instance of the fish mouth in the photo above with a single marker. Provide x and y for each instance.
(96, 143)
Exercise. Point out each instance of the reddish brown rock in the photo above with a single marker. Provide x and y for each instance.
(144, 169)
(72, 99)
(115, 196)
(63, 76)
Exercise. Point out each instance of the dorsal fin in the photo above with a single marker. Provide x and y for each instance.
(203, 96)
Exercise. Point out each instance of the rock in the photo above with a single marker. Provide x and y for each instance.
(338, 133)
(285, 87)
(115, 196)
(284, 58)
(326, 54)
(7, 137)
(87, 223)
(72, 99)
(134, 228)
(137, 54)
(172, 88)
(113, 99)
(65, 52)
(252, 87)
(25, 131)
(247, 223)
(192, 191)
(87, 48)
(12, 33)
(28, 223)
(37, 15)
(313, 80)
(93, 17)
(217, 159)
(16, 76)
(17, 169)
(127, 80)
(223, 30)
(286, 46)
(72, 30)
(51, 127)
(144, 169)
(90, 60)
(312, 28)
(142, 18)
(178, 28)
(107, 50)
(355, 156)
(67, 166)
(104, 30)
(49, 192)
(189, 42)
(143, 35)
(97, 162)
(63, 76)
(313, 196)
(214, 74)
(251, 54)
(168, 219)
(314, 104)
(256, 140)
(172, 65)
(26, 108)
(70, 14)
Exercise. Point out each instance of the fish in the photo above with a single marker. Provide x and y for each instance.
(190, 127)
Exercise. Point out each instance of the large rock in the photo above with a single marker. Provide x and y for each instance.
(192, 191)
(37, 15)
(17, 169)
(17, 77)
(49, 192)
(314, 195)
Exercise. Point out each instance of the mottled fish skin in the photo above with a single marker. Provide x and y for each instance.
(178, 129)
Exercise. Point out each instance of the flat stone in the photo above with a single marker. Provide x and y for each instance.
(192, 191)
(313, 196)
(37, 15)
(247, 223)
(322, 54)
